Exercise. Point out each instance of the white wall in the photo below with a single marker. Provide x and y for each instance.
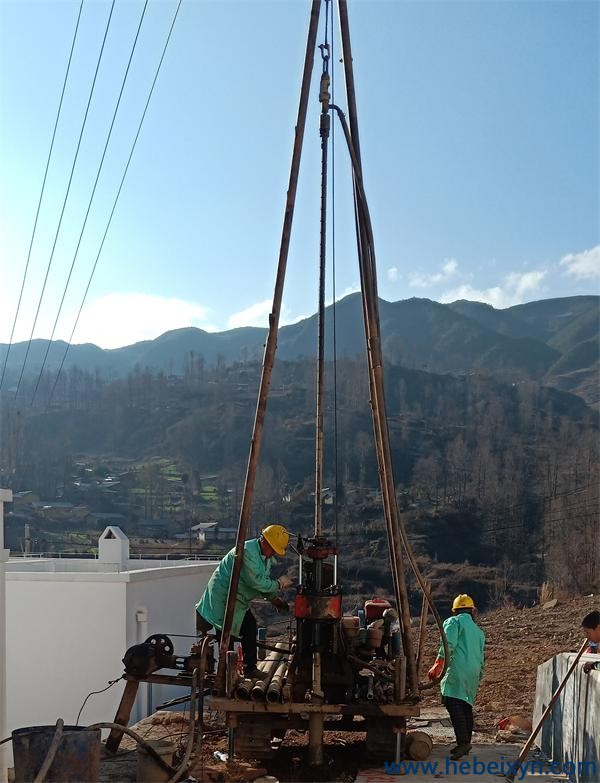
(67, 633)
(169, 596)
(65, 638)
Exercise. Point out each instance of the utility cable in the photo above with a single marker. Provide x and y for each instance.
(89, 206)
(37, 213)
(112, 212)
(66, 197)
(93, 693)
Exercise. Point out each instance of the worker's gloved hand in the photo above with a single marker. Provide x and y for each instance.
(436, 669)
(280, 604)
(588, 666)
(284, 582)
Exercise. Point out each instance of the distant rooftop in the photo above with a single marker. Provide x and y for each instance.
(113, 563)
(76, 569)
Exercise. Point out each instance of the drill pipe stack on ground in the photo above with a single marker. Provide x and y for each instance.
(259, 691)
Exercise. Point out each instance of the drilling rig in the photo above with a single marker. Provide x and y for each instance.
(334, 669)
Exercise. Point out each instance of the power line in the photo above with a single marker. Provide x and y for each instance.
(115, 201)
(90, 201)
(37, 213)
(65, 199)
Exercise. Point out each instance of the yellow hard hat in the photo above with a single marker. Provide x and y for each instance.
(278, 537)
(463, 601)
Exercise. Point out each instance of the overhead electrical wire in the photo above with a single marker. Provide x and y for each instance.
(37, 213)
(66, 197)
(89, 206)
(91, 277)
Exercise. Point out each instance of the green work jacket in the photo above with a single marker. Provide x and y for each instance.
(254, 581)
(466, 641)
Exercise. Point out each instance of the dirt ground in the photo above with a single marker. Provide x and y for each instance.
(517, 640)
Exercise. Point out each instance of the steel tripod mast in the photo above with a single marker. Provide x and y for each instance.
(396, 535)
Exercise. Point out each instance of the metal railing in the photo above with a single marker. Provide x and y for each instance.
(132, 555)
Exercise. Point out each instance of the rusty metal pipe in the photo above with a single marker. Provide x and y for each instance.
(315, 739)
(372, 333)
(397, 537)
(244, 688)
(270, 347)
(422, 629)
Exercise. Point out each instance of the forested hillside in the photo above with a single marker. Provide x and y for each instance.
(500, 475)
(554, 341)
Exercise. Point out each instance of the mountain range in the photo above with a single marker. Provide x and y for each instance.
(554, 341)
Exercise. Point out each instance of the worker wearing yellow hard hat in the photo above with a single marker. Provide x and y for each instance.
(460, 683)
(255, 581)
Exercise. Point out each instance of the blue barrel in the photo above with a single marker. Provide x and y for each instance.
(77, 758)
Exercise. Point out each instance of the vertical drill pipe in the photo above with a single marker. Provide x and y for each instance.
(315, 738)
(423, 629)
(271, 345)
(372, 331)
(321, 329)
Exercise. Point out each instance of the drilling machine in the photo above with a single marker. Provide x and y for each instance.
(334, 667)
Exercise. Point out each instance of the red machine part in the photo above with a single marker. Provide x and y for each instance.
(375, 608)
(317, 607)
(320, 552)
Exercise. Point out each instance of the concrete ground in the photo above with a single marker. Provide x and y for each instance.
(446, 770)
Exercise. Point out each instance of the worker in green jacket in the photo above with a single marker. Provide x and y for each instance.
(459, 685)
(255, 581)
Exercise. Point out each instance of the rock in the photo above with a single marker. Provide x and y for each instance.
(524, 724)
(492, 706)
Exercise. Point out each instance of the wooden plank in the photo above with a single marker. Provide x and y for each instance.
(122, 716)
(184, 681)
(296, 708)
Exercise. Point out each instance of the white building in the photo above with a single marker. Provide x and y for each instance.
(69, 622)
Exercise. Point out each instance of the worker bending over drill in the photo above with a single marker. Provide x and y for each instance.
(459, 685)
(255, 581)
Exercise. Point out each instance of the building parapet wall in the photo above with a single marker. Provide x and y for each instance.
(571, 733)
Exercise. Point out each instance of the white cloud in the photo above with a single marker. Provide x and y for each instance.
(349, 289)
(255, 315)
(449, 268)
(392, 274)
(584, 265)
(516, 288)
(118, 319)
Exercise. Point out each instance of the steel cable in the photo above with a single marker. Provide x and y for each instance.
(91, 277)
(89, 206)
(37, 213)
(66, 197)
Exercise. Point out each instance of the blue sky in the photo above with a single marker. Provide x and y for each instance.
(479, 133)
